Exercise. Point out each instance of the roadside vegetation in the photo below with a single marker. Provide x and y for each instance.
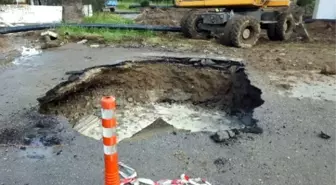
(104, 35)
(123, 5)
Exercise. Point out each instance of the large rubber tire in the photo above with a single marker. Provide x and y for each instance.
(283, 29)
(183, 23)
(271, 33)
(189, 26)
(224, 37)
(239, 25)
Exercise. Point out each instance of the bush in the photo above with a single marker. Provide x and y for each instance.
(144, 3)
(307, 5)
(7, 1)
(305, 2)
(97, 5)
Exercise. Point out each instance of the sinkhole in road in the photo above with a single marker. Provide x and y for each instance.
(194, 94)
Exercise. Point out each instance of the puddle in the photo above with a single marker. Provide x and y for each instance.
(25, 52)
(133, 119)
(27, 57)
(36, 153)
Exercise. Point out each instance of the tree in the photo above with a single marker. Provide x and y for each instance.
(72, 10)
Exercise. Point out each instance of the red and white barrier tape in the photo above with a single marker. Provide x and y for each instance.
(185, 180)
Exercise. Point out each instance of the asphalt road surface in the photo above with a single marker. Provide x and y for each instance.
(288, 152)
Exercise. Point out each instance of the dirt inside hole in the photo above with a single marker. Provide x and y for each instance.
(185, 86)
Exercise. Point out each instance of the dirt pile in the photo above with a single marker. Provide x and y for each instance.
(329, 69)
(318, 30)
(323, 32)
(185, 81)
(157, 16)
(4, 46)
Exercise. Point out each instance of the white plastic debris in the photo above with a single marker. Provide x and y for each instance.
(82, 41)
(94, 45)
(126, 172)
(50, 34)
(184, 180)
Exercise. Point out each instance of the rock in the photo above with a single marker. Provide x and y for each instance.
(51, 34)
(220, 164)
(194, 60)
(329, 69)
(59, 152)
(51, 44)
(50, 140)
(207, 62)
(324, 135)
(231, 133)
(284, 86)
(279, 60)
(253, 130)
(74, 72)
(46, 38)
(94, 46)
(82, 41)
(130, 99)
(248, 120)
(220, 136)
(27, 141)
(36, 156)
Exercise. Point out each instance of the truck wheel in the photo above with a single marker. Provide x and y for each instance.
(283, 29)
(224, 37)
(189, 26)
(271, 34)
(245, 32)
(183, 23)
(112, 9)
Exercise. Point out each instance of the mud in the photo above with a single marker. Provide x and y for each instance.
(212, 84)
(319, 31)
(157, 16)
(322, 32)
(12, 45)
(329, 69)
(36, 131)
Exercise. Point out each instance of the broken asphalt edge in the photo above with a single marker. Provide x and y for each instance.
(82, 76)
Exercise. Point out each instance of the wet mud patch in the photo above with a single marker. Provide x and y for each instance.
(37, 136)
(194, 94)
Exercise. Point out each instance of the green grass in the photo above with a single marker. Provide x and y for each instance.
(107, 18)
(107, 35)
(124, 5)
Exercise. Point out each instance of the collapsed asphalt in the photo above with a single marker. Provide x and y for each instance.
(288, 152)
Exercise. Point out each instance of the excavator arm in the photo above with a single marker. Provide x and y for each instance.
(232, 3)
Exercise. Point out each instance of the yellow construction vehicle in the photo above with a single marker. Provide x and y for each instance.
(237, 22)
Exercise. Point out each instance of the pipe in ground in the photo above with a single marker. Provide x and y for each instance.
(17, 29)
(101, 26)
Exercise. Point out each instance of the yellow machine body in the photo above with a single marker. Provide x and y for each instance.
(232, 3)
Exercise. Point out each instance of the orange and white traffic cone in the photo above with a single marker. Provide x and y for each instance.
(109, 124)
